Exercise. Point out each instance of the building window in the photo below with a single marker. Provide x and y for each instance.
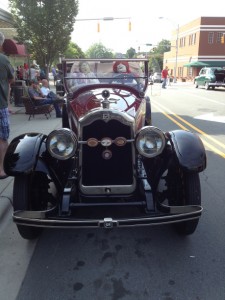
(192, 39)
(219, 36)
(190, 72)
(210, 37)
(180, 72)
(182, 42)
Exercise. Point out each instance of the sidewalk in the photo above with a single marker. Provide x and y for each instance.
(19, 124)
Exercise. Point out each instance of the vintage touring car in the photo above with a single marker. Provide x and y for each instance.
(108, 166)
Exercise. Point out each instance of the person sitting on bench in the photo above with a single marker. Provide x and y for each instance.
(47, 92)
(39, 99)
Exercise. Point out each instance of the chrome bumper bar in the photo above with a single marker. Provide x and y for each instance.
(47, 219)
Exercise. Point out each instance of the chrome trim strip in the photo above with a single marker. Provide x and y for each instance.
(100, 114)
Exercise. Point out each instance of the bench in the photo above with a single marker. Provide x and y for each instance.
(32, 110)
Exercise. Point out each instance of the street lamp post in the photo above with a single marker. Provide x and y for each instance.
(175, 67)
(176, 46)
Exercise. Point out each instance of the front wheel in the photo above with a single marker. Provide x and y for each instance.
(192, 196)
(30, 192)
(207, 86)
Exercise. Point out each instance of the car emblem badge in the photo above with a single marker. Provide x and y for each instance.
(105, 116)
(107, 154)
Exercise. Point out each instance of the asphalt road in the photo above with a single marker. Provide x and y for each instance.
(145, 263)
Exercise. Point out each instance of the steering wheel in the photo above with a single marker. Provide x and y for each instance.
(124, 78)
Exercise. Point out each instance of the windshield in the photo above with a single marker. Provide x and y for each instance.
(79, 73)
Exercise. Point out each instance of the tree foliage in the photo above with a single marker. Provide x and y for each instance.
(156, 56)
(163, 46)
(131, 52)
(74, 51)
(155, 62)
(44, 26)
(98, 50)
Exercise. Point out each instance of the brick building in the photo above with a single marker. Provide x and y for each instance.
(198, 42)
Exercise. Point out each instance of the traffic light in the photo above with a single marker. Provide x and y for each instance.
(98, 27)
(222, 39)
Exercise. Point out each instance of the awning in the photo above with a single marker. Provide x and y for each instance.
(196, 64)
(11, 47)
(215, 63)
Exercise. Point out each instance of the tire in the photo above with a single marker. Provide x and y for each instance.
(207, 86)
(30, 192)
(192, 197)
(183, 189)
(196, 84)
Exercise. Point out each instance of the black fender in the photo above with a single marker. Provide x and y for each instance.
(22, 153)
(189, 150)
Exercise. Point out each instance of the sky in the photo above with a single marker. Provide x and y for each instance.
(146, 27)
(144, 15)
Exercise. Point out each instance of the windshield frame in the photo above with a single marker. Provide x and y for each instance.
(102, 73)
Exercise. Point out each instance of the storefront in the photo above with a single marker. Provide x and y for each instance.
(16, 53)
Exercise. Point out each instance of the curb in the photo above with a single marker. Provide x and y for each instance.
(5, 198)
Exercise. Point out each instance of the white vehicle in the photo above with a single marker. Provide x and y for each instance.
(156, 77)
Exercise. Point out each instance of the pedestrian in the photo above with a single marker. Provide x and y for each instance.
(33, 72)
(169, 78)
(164, 76)
(42, 74)
(54, 74)
(6, 78)
(39, 99)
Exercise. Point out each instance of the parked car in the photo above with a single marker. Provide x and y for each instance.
(150, 80)
(210, 78)
(156, 77)
(108, 166)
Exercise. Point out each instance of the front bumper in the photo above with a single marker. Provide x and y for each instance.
(47, 219)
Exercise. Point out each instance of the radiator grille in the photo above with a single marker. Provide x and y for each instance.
(95, 169)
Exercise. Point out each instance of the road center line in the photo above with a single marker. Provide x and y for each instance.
(163, 110)
(190, 125)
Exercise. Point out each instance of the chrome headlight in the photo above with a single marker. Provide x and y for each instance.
(150, 141)
(62, 143)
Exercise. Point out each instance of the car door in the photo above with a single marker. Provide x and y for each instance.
(201, 77)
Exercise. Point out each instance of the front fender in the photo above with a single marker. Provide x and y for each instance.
(189, 150)
(22, 153)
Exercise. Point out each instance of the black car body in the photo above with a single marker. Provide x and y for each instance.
(108, 166)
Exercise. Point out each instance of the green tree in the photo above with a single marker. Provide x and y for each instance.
(98, 50)
(155, 62)
(163, 46)
(74, 51)
(44, 26)
(156, 55)
(131, 52)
